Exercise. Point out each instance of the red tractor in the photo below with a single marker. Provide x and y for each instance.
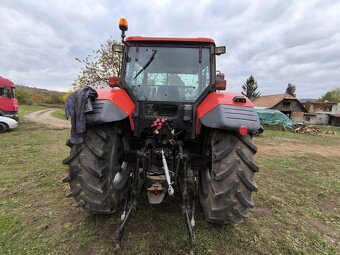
(164, 126)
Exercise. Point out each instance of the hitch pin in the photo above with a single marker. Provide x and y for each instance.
(167, 175)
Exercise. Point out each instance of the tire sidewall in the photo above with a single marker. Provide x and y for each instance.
(3, 128)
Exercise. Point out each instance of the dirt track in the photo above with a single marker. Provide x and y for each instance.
(45, 117)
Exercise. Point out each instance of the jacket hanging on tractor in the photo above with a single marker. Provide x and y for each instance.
(76, 105)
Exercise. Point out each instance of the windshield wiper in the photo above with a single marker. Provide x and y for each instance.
(147, 64)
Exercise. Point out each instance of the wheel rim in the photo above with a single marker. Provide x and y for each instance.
(119, 168)
(116, 162)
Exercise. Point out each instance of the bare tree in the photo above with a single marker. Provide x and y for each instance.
(99, 67)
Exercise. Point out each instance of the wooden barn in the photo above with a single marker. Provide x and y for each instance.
(285, 103)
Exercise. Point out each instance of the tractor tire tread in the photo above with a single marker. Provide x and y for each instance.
(246, 181)
(74, 191)
(226, 171)
(248, 142)
(229, 195)
(89, 177)
(74, 153)
(247, 202)
(250, 163)
(91, 169)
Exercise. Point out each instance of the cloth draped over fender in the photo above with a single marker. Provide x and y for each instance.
(75, 108)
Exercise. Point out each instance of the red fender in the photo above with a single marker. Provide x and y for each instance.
(121, 99)
(212, 112)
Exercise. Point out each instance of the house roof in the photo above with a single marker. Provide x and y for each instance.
(335, 115)
(321, 103)
(170, 39)
(271, 100)
(322, 106)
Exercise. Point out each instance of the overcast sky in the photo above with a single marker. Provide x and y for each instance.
(279, 42)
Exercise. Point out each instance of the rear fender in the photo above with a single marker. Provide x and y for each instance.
(111, 105)
(219, 110)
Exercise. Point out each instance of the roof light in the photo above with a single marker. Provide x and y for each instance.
(123, 24)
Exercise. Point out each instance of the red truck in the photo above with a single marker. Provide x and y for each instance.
(8, 103)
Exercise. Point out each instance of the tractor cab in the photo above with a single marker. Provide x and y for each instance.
(168, 77)
(167, 73)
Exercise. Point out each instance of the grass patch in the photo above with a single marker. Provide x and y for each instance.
(329, 128)
(281, 136)
(60, 114)
(296, 208)
(23, 109)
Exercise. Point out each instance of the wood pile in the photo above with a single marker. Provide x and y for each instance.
(312, 130)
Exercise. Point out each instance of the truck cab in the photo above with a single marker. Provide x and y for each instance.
(8, 103)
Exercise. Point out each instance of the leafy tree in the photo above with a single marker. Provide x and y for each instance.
(250, 88)
(99, 67)
(332, 95)
(38, 98)
(65, 96)
(23, 95)
(291, 88)
(54, 98)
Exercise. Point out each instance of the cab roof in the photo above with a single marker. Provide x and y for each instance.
(170, 39)
(6, 83)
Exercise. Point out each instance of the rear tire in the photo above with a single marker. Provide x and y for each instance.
(92, 168)
(3, 128)
(227, 181)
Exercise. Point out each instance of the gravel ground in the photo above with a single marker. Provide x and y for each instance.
(45, 117)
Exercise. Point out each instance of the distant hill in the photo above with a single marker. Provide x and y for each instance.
(29, 95)
(44, 92)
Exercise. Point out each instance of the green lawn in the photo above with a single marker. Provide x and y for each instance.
(23, 109)
(296, 212)
(59, 113)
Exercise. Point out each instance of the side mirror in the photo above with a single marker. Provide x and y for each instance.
(219, 50)
(118, 48)
(114, 81)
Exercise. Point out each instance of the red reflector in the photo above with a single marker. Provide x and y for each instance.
(243, 130)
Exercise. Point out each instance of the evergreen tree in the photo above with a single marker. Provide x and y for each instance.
(250, 88)
(291, 89)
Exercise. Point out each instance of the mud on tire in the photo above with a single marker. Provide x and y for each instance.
(227, 181)
(92, 167)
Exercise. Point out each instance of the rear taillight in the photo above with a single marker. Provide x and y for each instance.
(243, 130)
